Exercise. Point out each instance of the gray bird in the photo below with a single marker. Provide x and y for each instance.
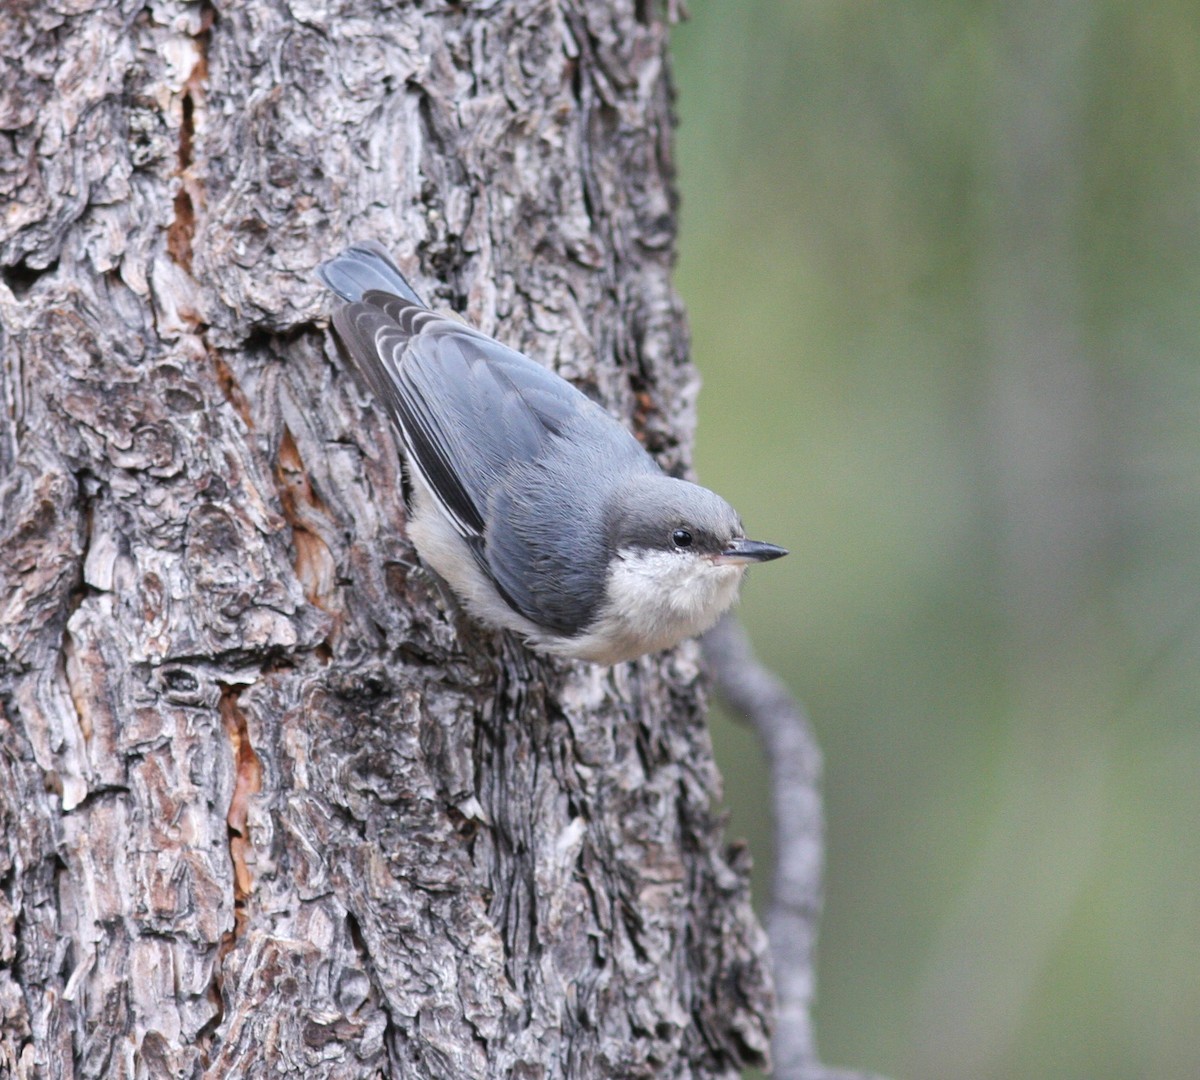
(542, 513)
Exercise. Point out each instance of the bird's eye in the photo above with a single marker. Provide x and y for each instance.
(681, 538)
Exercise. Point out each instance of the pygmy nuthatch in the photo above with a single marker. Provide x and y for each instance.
(542, 513)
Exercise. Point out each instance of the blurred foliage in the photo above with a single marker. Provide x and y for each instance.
(942, 265)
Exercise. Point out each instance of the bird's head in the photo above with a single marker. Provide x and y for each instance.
(677, 553)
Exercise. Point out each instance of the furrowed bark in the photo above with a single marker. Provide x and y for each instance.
(266, 805)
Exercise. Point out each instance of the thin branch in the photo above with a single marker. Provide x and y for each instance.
(794, 759)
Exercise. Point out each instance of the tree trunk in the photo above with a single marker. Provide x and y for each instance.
(267, 804)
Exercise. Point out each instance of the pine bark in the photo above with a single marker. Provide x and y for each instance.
(267, 804)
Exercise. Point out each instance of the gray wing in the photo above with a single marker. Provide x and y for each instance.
(495, 434)
(377, 337)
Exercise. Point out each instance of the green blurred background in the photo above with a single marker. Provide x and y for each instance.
(942, 264)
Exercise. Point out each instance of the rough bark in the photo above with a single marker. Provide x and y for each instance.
(267, 805)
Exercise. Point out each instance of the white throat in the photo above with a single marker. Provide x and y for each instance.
(655, 599)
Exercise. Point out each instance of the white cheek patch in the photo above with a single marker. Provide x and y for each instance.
(654, 600)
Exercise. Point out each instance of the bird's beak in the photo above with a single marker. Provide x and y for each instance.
(739, 552)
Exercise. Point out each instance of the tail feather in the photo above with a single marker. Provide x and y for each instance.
(362, 267)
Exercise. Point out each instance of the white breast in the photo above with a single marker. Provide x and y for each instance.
(442, 549)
